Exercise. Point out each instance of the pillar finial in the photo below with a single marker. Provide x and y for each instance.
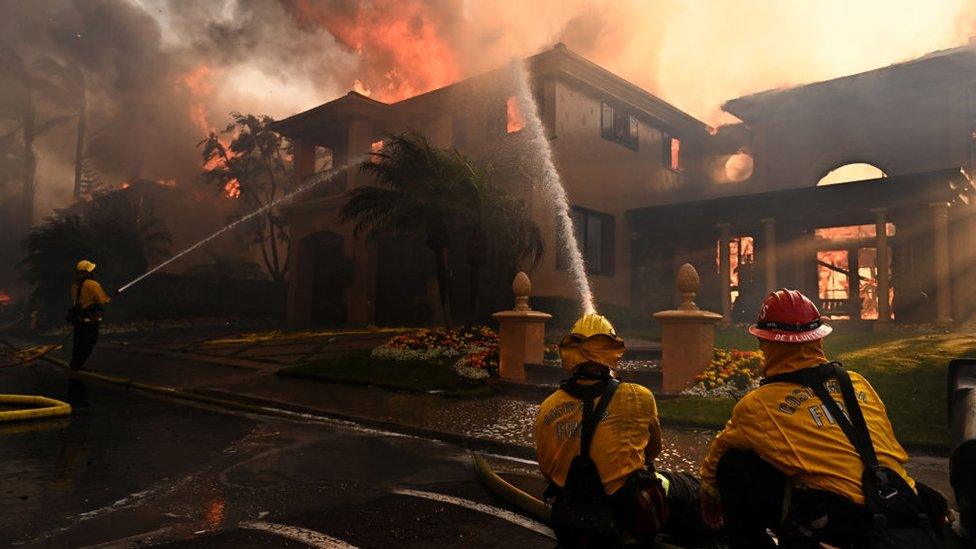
(688, 284)
(522, 288)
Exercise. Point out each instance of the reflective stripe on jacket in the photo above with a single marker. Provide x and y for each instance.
(629, 427)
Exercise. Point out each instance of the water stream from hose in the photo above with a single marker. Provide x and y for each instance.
(280, 200)
(552, 185)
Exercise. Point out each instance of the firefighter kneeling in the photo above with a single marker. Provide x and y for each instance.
(596, 439)
(810, 455)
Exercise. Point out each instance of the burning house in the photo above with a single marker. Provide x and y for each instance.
(751, 205)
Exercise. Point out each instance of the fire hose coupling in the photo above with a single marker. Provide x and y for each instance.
(35, 407)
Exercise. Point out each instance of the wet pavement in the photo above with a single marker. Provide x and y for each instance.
(129, 469)
(130, 466)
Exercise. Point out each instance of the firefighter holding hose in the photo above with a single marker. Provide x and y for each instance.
(88, 302)
(596, 439)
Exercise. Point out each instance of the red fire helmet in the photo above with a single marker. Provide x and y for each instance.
(788, 316)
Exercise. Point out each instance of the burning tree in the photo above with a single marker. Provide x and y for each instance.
(254, 166)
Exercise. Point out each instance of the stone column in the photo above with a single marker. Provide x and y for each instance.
(940, 226)
(725, 276)
(687, 335)
(521, 333)
(769, 253)
(881, 261)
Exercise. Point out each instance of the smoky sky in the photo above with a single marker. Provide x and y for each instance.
(160, 74)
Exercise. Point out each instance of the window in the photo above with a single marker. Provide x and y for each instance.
(619, 126)
(514, 120)
(594, 233)
(323, 159)
(671, 152)
(375, 147)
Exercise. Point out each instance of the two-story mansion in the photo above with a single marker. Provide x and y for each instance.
(652, 187)
(612, 143)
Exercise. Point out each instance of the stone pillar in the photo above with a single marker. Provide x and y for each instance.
(725, 276)
(521, 333)
(687, 335)
(940, 226)
(882, 262)
(769, 253)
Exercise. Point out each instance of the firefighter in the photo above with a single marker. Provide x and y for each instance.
(611, 492)
(784, 462)
(88, 302)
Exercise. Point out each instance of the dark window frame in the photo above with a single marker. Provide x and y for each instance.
(607, 252)
(619, 125)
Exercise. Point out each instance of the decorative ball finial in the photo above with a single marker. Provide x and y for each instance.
(688, 284)
(522, 287)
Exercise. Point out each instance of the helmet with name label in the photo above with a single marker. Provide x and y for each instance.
(788, 316)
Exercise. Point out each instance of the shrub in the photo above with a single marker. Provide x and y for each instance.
(473, 352)
(731, 373)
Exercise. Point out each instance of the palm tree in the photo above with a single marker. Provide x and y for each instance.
(440, 192)
(421, 191)
(500, 230)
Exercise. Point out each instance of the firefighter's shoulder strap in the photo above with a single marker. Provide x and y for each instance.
(591, 416)
(81, 284)
(852, 423)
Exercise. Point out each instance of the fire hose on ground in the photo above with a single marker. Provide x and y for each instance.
(962, 422)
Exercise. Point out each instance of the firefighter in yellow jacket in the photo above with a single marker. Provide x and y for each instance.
(625, 439)
(782, 452)
(88, 302)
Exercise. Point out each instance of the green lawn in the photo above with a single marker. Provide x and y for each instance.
(908, 371)
(359, 368)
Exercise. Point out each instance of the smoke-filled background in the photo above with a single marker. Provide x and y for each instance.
(158, 75)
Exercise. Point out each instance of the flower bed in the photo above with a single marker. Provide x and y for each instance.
(732, 373)
(473, 353)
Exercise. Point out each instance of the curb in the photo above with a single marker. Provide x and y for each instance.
(276, 408)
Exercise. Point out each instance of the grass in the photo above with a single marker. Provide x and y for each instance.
(907, 371)
(359, 368)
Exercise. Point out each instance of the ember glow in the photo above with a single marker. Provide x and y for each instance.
(232, 189)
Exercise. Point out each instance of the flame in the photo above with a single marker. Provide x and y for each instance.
(398, 42)
(4, 298)
(514, 121)
(199, 83)
(166, 182)
(125, 185)
(232, 189)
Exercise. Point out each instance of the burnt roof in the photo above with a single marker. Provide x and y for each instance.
(953, 60)
(559, 60)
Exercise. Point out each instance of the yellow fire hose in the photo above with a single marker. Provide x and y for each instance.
(524, 501)
(41, 407)
(509, 493)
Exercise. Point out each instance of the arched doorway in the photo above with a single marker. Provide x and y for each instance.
(327, 272)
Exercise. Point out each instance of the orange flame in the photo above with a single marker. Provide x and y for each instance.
(232, 189)
(398, 39)
(4, 298)
(515, 120)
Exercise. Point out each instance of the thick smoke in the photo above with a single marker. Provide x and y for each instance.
(161, 73)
